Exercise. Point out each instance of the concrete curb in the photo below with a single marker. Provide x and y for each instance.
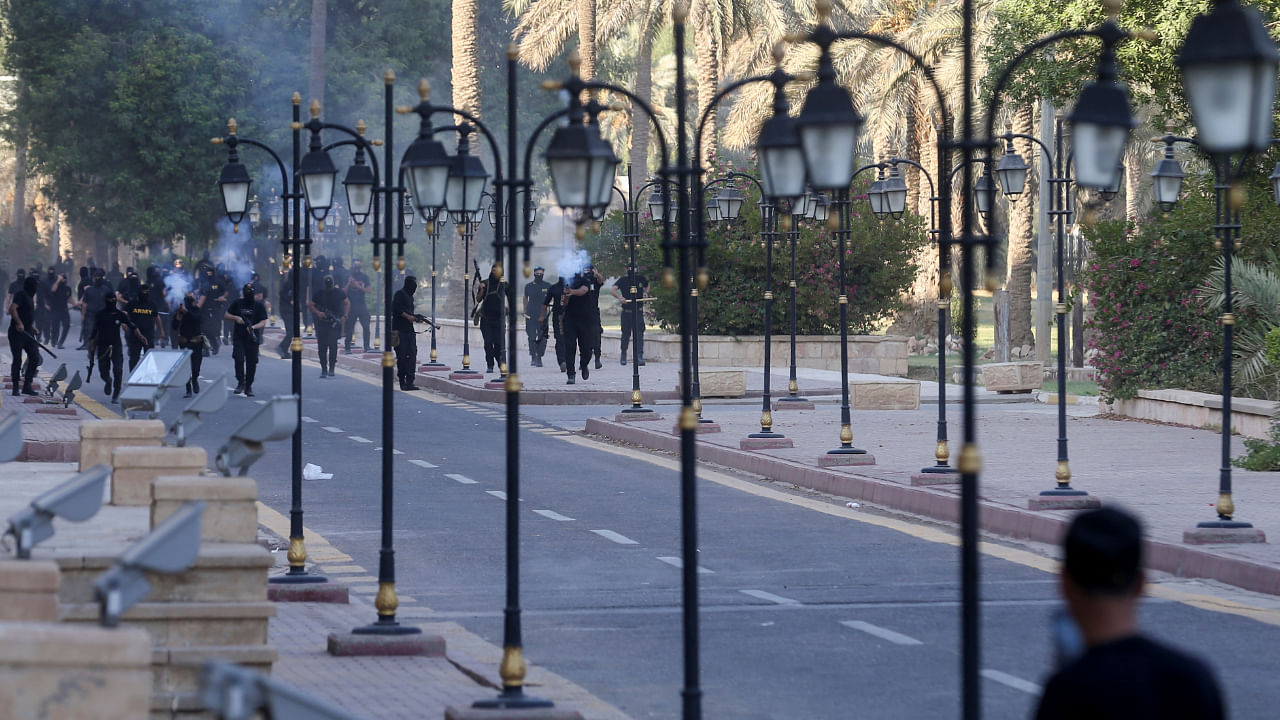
(1011, 522)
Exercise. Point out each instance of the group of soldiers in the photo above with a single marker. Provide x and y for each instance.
(571, 311)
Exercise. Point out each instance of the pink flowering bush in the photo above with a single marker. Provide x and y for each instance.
(1149, 327)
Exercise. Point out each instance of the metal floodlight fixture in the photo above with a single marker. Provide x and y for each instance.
(51, 387)
(77, 500)
(319, 175)
(70, 393)
(169, 548)
(781, 158)
(1275, 183)
(464, 191)
(713, 209)
(1167, 179)
(982, 193)
(232, 692)
(895, 192)
(234, 182)
(1229, 64)
(276, 420)
(730, 200)
(359, 186)
(211, 400)
(828, 127)
(428, 165)
(1110, 192)
(819, 207)
(1100, 125)
(1011, 173)
(150, 382)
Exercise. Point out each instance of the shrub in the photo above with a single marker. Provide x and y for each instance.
(879, 268)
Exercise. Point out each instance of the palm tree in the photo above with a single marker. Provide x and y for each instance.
(465, 76)
(1255, 289)
(319, 22)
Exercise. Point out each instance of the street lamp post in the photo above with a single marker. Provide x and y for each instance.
(235, 186)
(463, 174)
(1011, 174)
(631, 233)
(1229, 64)
(434, 224)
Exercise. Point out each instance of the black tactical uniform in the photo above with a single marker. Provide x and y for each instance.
(143, 315)
(632, 288)
(250, 315)
(535, 324)
(106, 338)
(329, 308)
(489, 295)
(20, 339)
(406, 342)
(582, 321)
(187, 324)
(357, 287)
(554, 307)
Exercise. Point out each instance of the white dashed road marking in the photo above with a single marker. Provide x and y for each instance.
(497, 493)
(460, 478)
(309, 419)
(1012, 681)
(359, 439)
(769, 597)
(679, 563)
(423, 464)
(611, 535)
(882, 633)
(332, 429)
(552, 514)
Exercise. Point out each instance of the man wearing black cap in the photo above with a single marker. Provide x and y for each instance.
(249, 316)
(1121, 673)
(535, 323)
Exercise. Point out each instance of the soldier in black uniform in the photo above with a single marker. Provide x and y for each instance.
(22, 315)
(249, 316)
(106, 341)
(554, 306)
(329, 307)
(630, 289)
(535, 323)
(187, 322)
(215, 305)
(357, 287)
(402, 334)
(286, 312)
(143, 314)
(59, 311)
(489, 297)
(581, 320)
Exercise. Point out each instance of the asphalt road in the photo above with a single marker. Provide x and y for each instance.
(809, 610)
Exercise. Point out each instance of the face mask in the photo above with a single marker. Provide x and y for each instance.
(410, 287)
(190, 303)
(248, 293)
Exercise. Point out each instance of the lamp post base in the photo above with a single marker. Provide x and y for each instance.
(499, 710)
(792, 403)
(1064, 498)
(841, 457)
(933, 477)
(1222, 532)
(636, 414)
(379, 641)
(765, 441)
(306, 587)
(433, 367)
(465, 375)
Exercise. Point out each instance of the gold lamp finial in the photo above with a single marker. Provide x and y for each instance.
(361, 127)
(680, 13)
(424, 89)
(231, 126)
(1113, 8)
(315, 108)
(575, 61)
(779, 50)
(297, 98)
(513, 51)
(389, 77)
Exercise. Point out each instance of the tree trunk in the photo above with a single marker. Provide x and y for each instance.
(1021, 258)
(640, 131)
(1132, 185)
(706, 47)
(319, 21)
(587, 38)
(919, 317)
(911, 174)
(18, 218)
(466, 96)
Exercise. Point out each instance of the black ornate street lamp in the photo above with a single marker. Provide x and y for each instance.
(463, 197)
(1229, 65)
(434, 223)
(631, 234)
(234, 182)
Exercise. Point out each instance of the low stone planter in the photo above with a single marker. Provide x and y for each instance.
(1249, 417)
(719, 383)
(1013, 377)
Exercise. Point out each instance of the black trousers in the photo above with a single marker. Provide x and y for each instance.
(358, 313)
(59, 327)
(630, 329)
(245, 354)
(18, 344)
(406, 356)
(289, 330)
(557, 327)
(327, 342)
(111, 367)
(580, 336)
(211, 325)
(196, 346)
(491, 331)
(136, 349)
(537, 334)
